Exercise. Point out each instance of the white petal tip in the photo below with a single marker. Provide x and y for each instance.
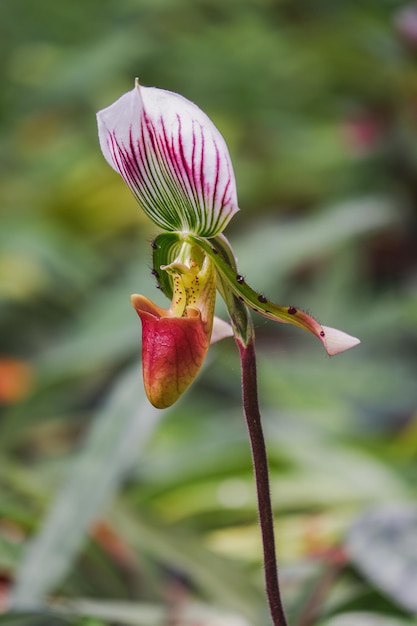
(336, 341)
(221, 330)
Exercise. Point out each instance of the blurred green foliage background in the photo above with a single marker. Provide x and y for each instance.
(112, 513)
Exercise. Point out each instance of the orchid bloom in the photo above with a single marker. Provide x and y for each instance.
(176, 163)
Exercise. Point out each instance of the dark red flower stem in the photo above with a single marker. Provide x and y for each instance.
(261, 471)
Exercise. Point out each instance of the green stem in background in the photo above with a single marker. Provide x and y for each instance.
(260, 466)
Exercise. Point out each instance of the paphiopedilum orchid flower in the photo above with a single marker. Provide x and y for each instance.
(177, 165)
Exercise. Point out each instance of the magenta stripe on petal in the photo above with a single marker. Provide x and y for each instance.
(173, 159)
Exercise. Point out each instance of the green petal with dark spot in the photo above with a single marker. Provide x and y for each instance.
(219, 249)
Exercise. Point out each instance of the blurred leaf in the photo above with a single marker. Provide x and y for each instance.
(103, 334)
(131, 614)
(365, 619)
(37, 256)
(339, 470)
(124, 613)
(9, 553)
(219, 577)
(34, 619)
(121, 428)
(291, 244)
(383, 545)
(105, 331)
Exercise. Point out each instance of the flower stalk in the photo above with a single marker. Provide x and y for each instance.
(261, 472)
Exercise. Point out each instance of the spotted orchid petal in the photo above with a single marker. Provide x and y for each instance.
(173, 159)
(333, 340)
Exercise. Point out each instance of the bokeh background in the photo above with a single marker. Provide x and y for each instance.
(112, 513)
